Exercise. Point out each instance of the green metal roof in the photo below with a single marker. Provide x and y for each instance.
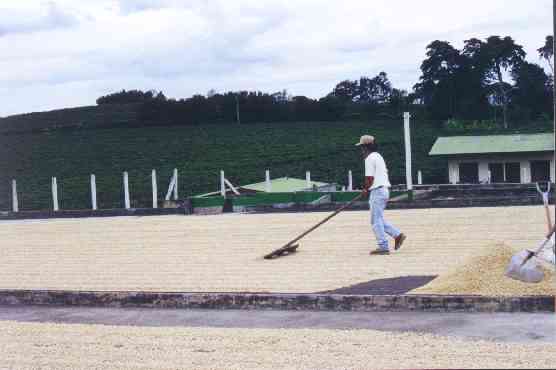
(493, 144)
(283, 185)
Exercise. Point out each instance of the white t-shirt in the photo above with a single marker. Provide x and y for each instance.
(376, 167)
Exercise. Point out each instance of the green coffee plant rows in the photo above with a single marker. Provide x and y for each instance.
(199, 153)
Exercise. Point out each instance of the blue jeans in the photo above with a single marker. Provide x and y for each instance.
(378, 198)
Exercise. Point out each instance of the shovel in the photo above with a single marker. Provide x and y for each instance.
(518, 268)
(291, 247)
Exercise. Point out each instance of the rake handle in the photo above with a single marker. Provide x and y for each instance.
(325, 220)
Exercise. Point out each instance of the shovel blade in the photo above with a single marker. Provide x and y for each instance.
(523, 267)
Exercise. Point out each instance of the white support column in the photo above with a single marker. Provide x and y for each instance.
(15, 202)
(453, 171)
(171, 187)
(268, 183)
(126, 191)
(308, 178)
(525, 172)
(232, 187)
(93, 192)
(55, 204)
(350, 180)
(176, 184)
(407, 134)
(222, 184)
(419, 177)
(155, 189)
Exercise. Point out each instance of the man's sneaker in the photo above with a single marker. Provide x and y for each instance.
(399, 241)
(380, 252)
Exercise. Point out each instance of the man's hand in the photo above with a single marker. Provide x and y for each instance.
(368, 183)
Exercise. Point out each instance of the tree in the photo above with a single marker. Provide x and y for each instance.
(399, 100)
(547, 52)
(376, 90)
(346, 90)
(531, 94)
(437, 86)
(500, 55)
(127, 97)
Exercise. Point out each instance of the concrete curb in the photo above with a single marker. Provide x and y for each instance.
(416, 204)
(296, 302)
(25, 215)
(262, 209)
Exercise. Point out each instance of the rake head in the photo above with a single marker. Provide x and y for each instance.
(284, 251)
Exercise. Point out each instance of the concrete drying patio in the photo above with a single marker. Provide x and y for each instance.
(223, 253)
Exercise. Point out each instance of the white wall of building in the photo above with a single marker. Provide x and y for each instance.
(484, 160)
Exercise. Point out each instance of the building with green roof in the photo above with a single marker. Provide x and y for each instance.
(521, 158)
(281, 185)
(289, 185)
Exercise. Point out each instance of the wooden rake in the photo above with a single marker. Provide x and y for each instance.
(291, 247)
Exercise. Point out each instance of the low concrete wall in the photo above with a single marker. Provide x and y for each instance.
(301, 302)
(431, 196)
(90, 213)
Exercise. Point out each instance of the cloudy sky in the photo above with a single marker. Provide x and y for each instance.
(65, 53)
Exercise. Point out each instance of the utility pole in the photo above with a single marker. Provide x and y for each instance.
(553, 74)
(237, 110)
(407, 136)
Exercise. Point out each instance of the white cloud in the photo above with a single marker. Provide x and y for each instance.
(77, 50)
(46, 16)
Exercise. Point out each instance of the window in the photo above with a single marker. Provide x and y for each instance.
(540, 171)
(513, 172)
(469, 173)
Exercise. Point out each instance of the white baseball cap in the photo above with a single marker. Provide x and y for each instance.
(366, 140)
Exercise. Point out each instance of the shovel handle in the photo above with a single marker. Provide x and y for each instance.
(545, 199)
(541, 246)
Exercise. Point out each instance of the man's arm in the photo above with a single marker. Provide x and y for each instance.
(369, 180)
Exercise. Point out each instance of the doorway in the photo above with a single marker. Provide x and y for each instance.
(540, 171)
(469, 173)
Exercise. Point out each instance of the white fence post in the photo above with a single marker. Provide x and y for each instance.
(155, 189)
(93, 192)
(308, 178)
(222, 184)
(176, 184)
(55, 194)
(407, 134)
(15, 203)
(350, 181)
(419, 177)
(126, 191)
(268, 183)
